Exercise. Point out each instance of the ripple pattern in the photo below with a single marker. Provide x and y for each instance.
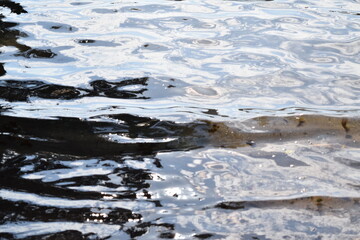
(190, 119)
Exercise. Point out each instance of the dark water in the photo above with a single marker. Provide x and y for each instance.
(180, 119)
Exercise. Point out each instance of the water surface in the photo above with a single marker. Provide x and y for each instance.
(179, 119)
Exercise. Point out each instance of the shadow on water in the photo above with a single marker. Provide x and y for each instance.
(27, 141)
(71, 170)
(10, 36)
(37, 154)
(125, 133)
(73, 136)
(2, 69)
(51, 196)
(12, 90)
(14, 7)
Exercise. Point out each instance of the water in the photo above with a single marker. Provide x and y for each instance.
(180, 119)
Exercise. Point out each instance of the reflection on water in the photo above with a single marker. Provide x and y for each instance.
(179, 119)
(12, 90)
(139, 177)
(10, 36)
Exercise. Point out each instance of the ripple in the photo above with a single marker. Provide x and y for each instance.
(179, 119)
(44, 228)
(323, 59)
(202, 91)
(80, 3)
(151, 8)
(205, 42)
(91, 42)
(105, 11)
(58, 27)
(293, 20)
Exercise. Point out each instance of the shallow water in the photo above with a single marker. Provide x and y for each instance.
(180, 119)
